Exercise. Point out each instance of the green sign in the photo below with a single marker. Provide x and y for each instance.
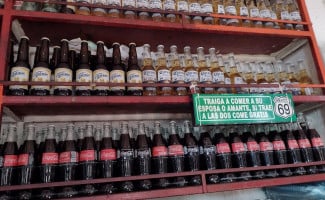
(212, 109)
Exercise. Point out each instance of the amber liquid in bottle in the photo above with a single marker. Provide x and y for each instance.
(191, 73)
(242, 10)
(205, 76)
(163, 73)
(230, 9)
(234, 75)
(260, 78)
(148, 72)
(177, 72)
(304, 78)
(254, 12)
(295, 14)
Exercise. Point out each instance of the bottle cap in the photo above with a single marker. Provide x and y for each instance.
(45, 38)
(24, 37)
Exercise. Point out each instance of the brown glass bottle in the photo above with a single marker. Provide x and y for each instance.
(21, 69)
(101, 73)
(73, 62)
(55, 59)
(84, 73)
(134, 74)
(177, 71)
(63, 72)
(41, 71)
(117, 73)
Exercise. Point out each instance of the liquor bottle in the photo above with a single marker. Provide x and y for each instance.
(218, 75)
(194, 7)
(254, 12)
(260, 78)
(170, 6)
(249, 68)
(69, 9)
(148, 72)
(207, 8)
(219, 8)
(134, 74)
(191, 73)
(177, 71)
(101, 73)
(282, 11)
(156, 5)
(265, 12)
(143, 5)
(291, 69)
(42, 72)
(271, 77)
(114, 12)
(85, 9)
(234, 75)
(242, 11)
(274, 16)
(230, 9)
(98, 11)
(295, 14)
(205, 76)
(21, 69)
(117, 73)
(304, 78)
(282, 75)
(163, 73)
(84, 74)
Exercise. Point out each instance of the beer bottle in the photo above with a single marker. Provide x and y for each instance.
(117, 73)
(163, 73)
(84, 73)
(41, 71)
(73, 62)
(265, 12)
(195, 8)
(282, 75)
(101, 73)
(304, 78)
(234, 75)
(230, 9)
(207, 8)
(260, 78)
(63, 72)
(69, 9)
(178, 74)
(242, 10)
(21, 69)
(54, 61)
(291, 69)
(191, 73)
(148, 72)
(218, 76)
(156, 5)
(205, 76)
(294, 13)
(271, 77)
(134, 74)
(36, 55)
(182, 6)
(83, 10)
(129, 14)
(170, 6)
(99, 11)
(143, 4)
(254, 12)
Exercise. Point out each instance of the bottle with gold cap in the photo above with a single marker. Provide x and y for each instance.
(163, 73)
(177, 71)
(148, 72)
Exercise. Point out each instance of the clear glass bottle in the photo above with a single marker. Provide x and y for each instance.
(230, 9)
(282, 75)
(235, 77)
(242, 10)
(295, 14)
(271, 76)
(260, 78)
(249, 77)
(304, 78)
(205, 76)
(291, 69)
(156, 5)
(195, 8)
(254, 12)
(182, 6)
(265, 12)
(217, 74)
(148, 72)
(163, 73)
(83, 10)
(177, 71)
(114, 12)
(207, 8)
(170, 6)
(191, 73)
(99, 11)
(219, 8)
(129, 14)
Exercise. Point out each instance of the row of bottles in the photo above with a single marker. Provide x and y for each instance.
(175, 68)
(156, 10)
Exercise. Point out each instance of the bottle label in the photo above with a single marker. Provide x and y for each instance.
(19, 74)
(143, 153)
(265, 13)
(293, 144)
(278, 145)
(182, 6)
(254, 12)
(263, 90)
(195, 7)
(317, 142)
(10, 160)
(108, 154)
(274, 16)
(102, 2)
(223, 148)
(155, 4)
(238, 80)
(238, 147)
(1, 161)
(208, 150)
(87, 155)
(191, 150)
(191, 76)
(304, 143)
(308, 91)
(295, 16)
(205, 76)
(41, 74)
(63, 75)
(84, 76)
(142, 4)
(175, 150)
(50, 158)
(128, 3)
(159, 151)
(266, 146)
(114, 2)
(221, 9)
(178, 76)
(295, 91)
(231, 10)
(164, 76)
(243, 11)
(285, 15)
(69, 157)
(149, 76)
(25, 159)
(253, 90)
(117, 76)
(218, 77)
(253, 146)
(125, 153)
(134, 76)
(169, 5)
(207, 8)
(101, 76)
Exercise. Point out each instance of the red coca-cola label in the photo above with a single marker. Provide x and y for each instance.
(223, 148)
(253, 146)
(266, 146)
(159, 151)
(175, 150)
(23, 159)
(304, 143)
(238, 147)
(69, 157)
(108, 154)
(293, 144)
(87, 155)
(278, 145)
(50, 158)
(317, 142)
(10, 160)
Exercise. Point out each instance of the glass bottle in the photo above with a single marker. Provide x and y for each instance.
(129, 14)
(99, 11)
(271, 76)
(101, 73)
(293, 78)
(207, 8)
(230, 9)
(51, 7)
(84, 74)
(195, 8)
(219, 8)
(156, 5)
(30, 6)
(170, 6)
(114, 12)
(69, 9)
(260, 78)
(282, 75)
(183, 6)
(234, 75)
(249, 77)
(117, 73)
(191, 73)
(83, 10)
(242, 10)
(205, 76)
(163, 73)
(254, 12)
(304, 78)
(265, 12)
(295, 14)
(177, 71)
(282, 12)
(148, 72)
(134, 74)
(143, 4)
(274, 16)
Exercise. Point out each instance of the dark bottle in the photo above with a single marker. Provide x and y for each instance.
(142, 158)
(117, 73)
(81, 136)
(280, 152)
(107, 160)
(10, 58)
(62, 138)
(115, 138)
(134, 74)
(192, 154)
(41, 70)
(98, 140)
(239, 153)
(21, 69)
(159, 157)
(43, 135)
(36, 55)
(69, 9)
(63, 71)
(68, 161)
(55, 60)
(176, 156)
(133, 132)
(149, 134)
(87, 160)
(10, 158)
(266, 151)
(253, 152)
(101, 73)
(208, 156)
(126, 159)
(73, 62)
(49, 162)
(84, 73)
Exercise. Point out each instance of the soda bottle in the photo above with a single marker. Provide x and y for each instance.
(117, 73)
(49, 161)
(84, 74)
(62, 138)
(163, 72)
(148, 72)
(134, 74)
(115, 138)
(81, 136)
(177, 71)
(149, 134)
(205, 76)
(191, 71)
(175, 155)
(98, 139)
(126, 158)
(101, 73)
(280, 151)
(159, 158)
(107, 160)
(142, 158)
(192, 154)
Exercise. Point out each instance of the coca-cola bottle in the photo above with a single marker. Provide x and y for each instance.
(266, 151)
(239, 152)
(142, 158)
(149, 136)
(192, 154)
(87, 160)
(49, 161)
(107, 160)
(159, 158)
(280, 151)
(68, 161)
(208, 156)
(175, 155)
(126, 158)
(27, 160)
(253, 152)
(98, 140)
(133, 134)
(116, 138)
(62, 138)
(81, 136)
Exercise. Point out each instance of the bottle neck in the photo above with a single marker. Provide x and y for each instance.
(84, 53)
(116, 55)
(100, 54)
(23, 52)
(44, 51)
(12, 134)
(51, 132)
(31, 132)
(89, 131)
(107, 131)
(70, 133)
(64, 52)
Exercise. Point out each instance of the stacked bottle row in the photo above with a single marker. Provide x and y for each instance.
(159, 67)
